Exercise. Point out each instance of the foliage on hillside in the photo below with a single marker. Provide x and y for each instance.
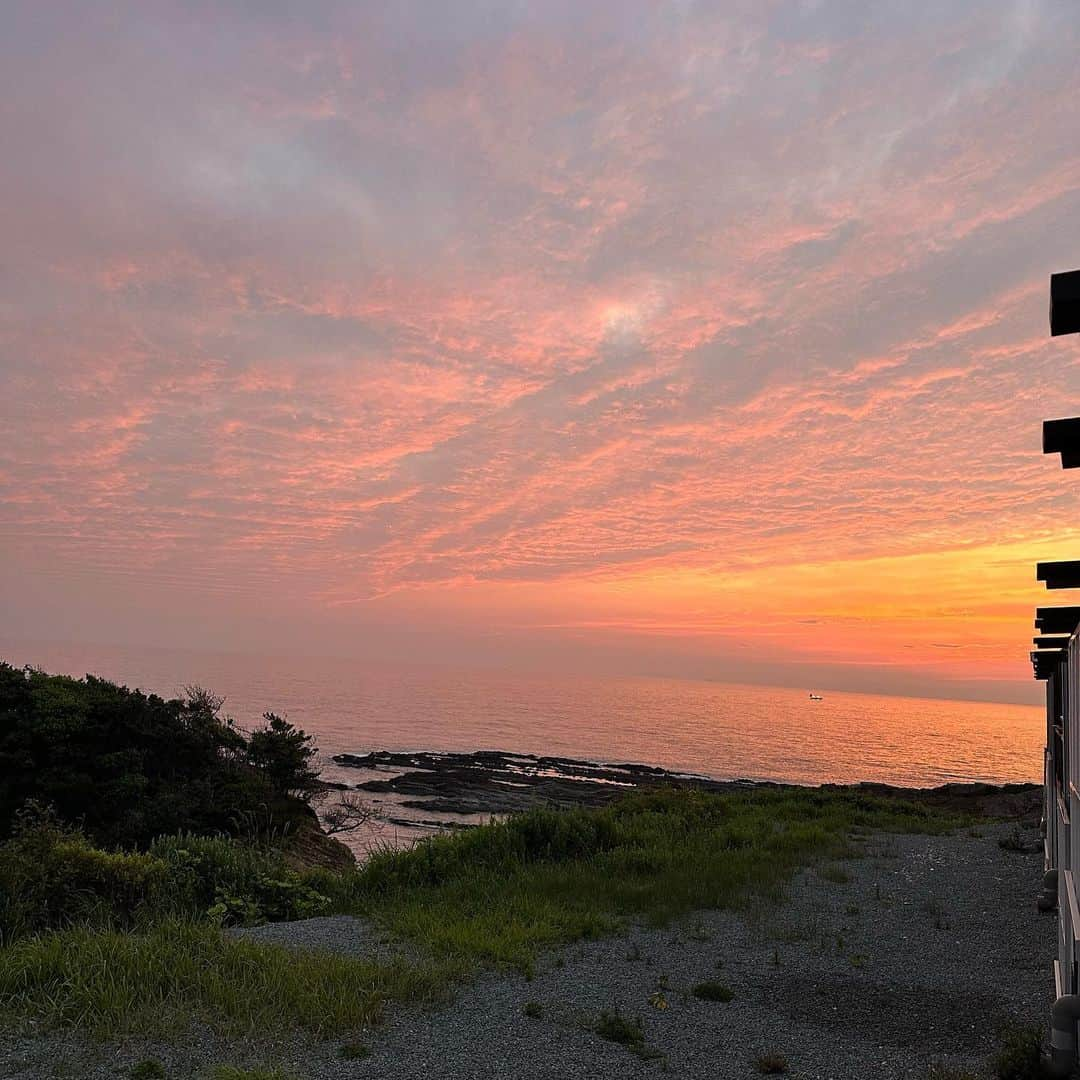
(127, 766)
(52, 877)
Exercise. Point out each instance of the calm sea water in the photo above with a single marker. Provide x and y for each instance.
(718, 729)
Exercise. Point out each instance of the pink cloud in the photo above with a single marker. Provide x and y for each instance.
(486, 317)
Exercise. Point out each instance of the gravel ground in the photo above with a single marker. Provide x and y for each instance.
(879, 966)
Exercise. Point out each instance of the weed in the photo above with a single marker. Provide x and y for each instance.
(1013, 840)
(771, 1064)
(147, 1069)
(233, 1072)
(713, 991)
(852, 910)
(615, 1027)
(858, 960)
(354, 1051)
(1020, 1055)
(533, 1010)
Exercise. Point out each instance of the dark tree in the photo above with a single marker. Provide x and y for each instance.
(128, 766)
(284, 754)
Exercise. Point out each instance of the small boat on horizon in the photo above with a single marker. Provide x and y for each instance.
(816, 697)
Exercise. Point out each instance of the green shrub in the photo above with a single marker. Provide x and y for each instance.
(272, 899)
(234, 882)
(50, 876)
(713, 991)
(203, 866)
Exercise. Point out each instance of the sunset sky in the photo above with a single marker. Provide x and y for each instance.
(684, 338)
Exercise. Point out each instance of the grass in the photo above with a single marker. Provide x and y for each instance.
(157, 982)
(147, 1069)
(836, 874)
(507, 891)
(499, 894)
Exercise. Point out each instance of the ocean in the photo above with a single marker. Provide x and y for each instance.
(716, 729)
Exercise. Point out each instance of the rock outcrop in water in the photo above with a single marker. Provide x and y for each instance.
(497, 782)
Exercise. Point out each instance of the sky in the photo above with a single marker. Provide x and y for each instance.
(689, 339)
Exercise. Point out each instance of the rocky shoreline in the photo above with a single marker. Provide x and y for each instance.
(483, 783)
